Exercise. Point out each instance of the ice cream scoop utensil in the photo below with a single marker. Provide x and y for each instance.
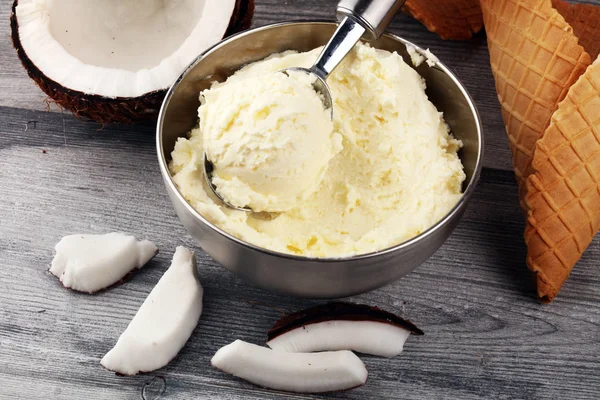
(358, 17)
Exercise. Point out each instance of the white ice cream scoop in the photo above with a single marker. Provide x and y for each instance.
(358, 17)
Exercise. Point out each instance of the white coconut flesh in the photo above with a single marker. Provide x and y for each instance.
(164, 322)
(89, 263)
(369, 337)
(119, 48)
(294, 372)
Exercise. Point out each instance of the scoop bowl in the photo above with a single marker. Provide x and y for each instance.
(297, 275)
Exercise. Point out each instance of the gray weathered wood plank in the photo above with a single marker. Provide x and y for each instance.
(486, 334)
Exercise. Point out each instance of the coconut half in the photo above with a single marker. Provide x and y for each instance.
(112, 60)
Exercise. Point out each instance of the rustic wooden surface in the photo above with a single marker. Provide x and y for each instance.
(486, 334)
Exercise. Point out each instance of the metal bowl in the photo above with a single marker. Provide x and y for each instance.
(297, 275)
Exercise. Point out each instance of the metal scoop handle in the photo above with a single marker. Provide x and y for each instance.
(357, 17)
(373, 15)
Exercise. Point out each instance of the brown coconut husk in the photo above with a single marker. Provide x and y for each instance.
(104, 109)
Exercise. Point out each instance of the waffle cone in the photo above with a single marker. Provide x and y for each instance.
(563, 191)
(550, 97)
(451, 19)
(535, 59)
(585, 21)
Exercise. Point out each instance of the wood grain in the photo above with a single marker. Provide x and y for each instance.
(486, 336)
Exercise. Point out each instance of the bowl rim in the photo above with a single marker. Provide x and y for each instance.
(168, 179)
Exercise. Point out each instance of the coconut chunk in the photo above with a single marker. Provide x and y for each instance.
(342, 326)
(89, 263)
(164, 322)
(292, 372)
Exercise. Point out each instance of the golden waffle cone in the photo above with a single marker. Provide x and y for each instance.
(535, 59)
(585, 21)
(537, 62)
(563, 191)
(451, 19)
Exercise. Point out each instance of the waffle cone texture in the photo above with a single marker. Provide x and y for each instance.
(563, 192)
(450, 19)
(550, 97)
(585, 21)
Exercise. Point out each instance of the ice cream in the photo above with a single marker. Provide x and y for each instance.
(270, 139)
(398, 172)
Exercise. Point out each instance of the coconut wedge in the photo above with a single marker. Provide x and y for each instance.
(89, 263)
(342, 326)
(112, 60)
(293, 372)
(164, 322)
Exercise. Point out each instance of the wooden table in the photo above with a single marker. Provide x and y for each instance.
(487, 337)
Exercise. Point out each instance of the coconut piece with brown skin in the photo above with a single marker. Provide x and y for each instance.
(112, 60)
(342, 326)
(91, 263)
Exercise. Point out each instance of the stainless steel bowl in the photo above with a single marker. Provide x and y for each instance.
(295, 275)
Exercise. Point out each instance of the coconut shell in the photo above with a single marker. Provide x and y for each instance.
(339, 311)
(112, 110)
